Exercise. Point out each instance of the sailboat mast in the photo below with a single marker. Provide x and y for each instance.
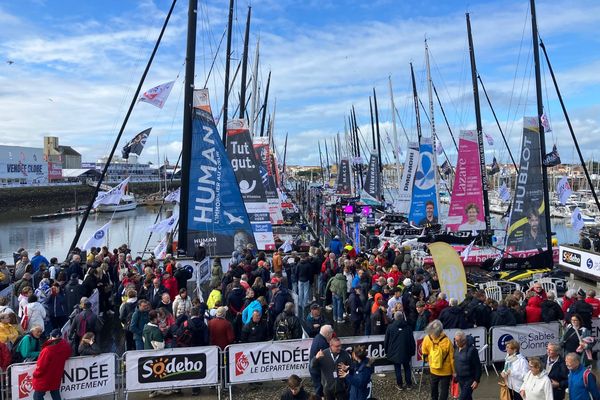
(396, 151)
(227, 67)
(372, 124)
(416, 100)
(245, 67)
(284, 156)
(484, 181)
(327, 159)
(540, 111)
(262, 124)
(254, 100)
(321, 164)
(186, 146)
(378, 134)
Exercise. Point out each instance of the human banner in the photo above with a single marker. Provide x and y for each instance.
(172, 368)
(478, 334)
(83, 377)
(533, 339)
(266, 361)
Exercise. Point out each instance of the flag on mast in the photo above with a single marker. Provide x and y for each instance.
(136, 145)
(490, 139)
(98, 238)
(160, 251)
(157, 96)
(113, 196)
(166, 225)
(174, 196)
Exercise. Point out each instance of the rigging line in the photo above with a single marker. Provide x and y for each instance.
(445, 118)
(214, 59)
(436, 136)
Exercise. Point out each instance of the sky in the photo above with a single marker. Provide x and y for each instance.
(74, 67)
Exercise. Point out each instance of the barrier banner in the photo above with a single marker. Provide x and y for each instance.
(266, 361)
(83, 377)
(478, 334)
(533, 338)
(375, 350)
(172, 368)
(596, 333)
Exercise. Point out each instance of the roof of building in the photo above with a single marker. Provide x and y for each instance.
(77, 172)
(68, 151)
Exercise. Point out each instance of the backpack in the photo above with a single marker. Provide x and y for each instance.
(436, 357)
(586, 375)
(82, 329)
(283, 330)
(130, 307)
(15, 352)
(183, 337)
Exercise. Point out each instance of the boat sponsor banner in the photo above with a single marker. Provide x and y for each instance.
(172, 368)
(578, 260)
(533, 339)
(372, 185)
(343, 184)
(83, 377)
(478, 255)
(450, 270)
(527, 228)
(466, 211)
(23, 163)
(247, 172)
(402, 203)
(217, 218)
(424, 208)
(267, 174)
(266, 361)
(479, 335)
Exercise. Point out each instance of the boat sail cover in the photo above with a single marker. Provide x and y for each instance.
(466, 211)
(371, 192)
(402, 204)
(263, 154)
(424, 207)
(344, 186)
(527, 228)
(246, 167)
(217, 218)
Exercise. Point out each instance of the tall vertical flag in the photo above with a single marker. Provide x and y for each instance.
(490, 139)
(450, 270)
(160, 251)
(424, 191)
(113, 196)
(174, 196)
(136, 145)
(577, 219)
(246, 168)
(504, 192)
(166, 225)
(563, 190)
(402, 202)
(157, 96)
(343, 185)
(217, 217)
(371, 191)
(98, 238)
(527, 228)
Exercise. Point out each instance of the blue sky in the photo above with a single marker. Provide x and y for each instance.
(77, 63)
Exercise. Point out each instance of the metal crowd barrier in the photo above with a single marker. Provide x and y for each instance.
(194, 367)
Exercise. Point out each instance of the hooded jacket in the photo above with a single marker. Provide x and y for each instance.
(447, 351)
(51, 365)
(454, 318)
(36, 313)
(537, 387)
(338, 285)
(533, 311)
(399, 343)
(503, 316)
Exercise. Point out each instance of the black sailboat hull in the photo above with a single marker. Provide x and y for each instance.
(543, 259)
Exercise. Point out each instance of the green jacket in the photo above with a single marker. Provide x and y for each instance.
(29, 347)
(153, 337)
(338, 285)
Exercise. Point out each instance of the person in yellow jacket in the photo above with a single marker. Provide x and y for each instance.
(438, 352)
(8, 332)
(214, 297)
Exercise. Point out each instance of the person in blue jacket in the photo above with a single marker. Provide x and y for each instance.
(582, 382)
(336, 246)
(358, 376)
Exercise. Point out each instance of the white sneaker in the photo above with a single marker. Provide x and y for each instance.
(153, 394)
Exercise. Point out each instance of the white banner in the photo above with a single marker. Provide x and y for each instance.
(83, 377)
(579, 261)
(166, 225)
(98, 238)
(113, 196)
(533, 339)
(402, 204)
(268, 361)
(478, 334)
(563, 190)
(172, 368)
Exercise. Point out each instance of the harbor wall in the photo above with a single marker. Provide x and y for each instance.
(37, 199)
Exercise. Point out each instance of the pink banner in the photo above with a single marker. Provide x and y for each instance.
(466, 204)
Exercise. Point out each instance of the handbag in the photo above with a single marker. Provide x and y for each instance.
(454, 389)
(505, 392)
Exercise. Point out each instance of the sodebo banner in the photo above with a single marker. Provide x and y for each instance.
(83, 377)
(250, 362)
(172, 368)
(533, 338)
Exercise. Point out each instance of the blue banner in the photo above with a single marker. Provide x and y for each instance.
(424, 207)
(217, 218)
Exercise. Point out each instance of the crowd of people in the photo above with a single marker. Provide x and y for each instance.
(287, 296)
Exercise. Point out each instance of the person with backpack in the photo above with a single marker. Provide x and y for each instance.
(256, 330)
(467, 365)
(338, 287)
(125, 314)
(582, 382)
(50, 366)
(438, 352)
(34, 313)
(84, 322)
(287, 325)
(139, 319)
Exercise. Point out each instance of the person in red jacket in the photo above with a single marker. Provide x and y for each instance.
(220, 331)
(438, 306)
(533, 311)
(568, 299)
(5, 357)
(170, 284)
(50, 366)
(595, 303)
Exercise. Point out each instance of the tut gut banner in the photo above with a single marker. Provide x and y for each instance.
(450, 270)
(217, 218)
(267, 174)
(527, 228)
(424, 208)
(466, 211)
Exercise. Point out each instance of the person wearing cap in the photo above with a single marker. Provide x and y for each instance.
(423, 316)
(50, 366)
(335, 245)
(220, 331)
(314, 320)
